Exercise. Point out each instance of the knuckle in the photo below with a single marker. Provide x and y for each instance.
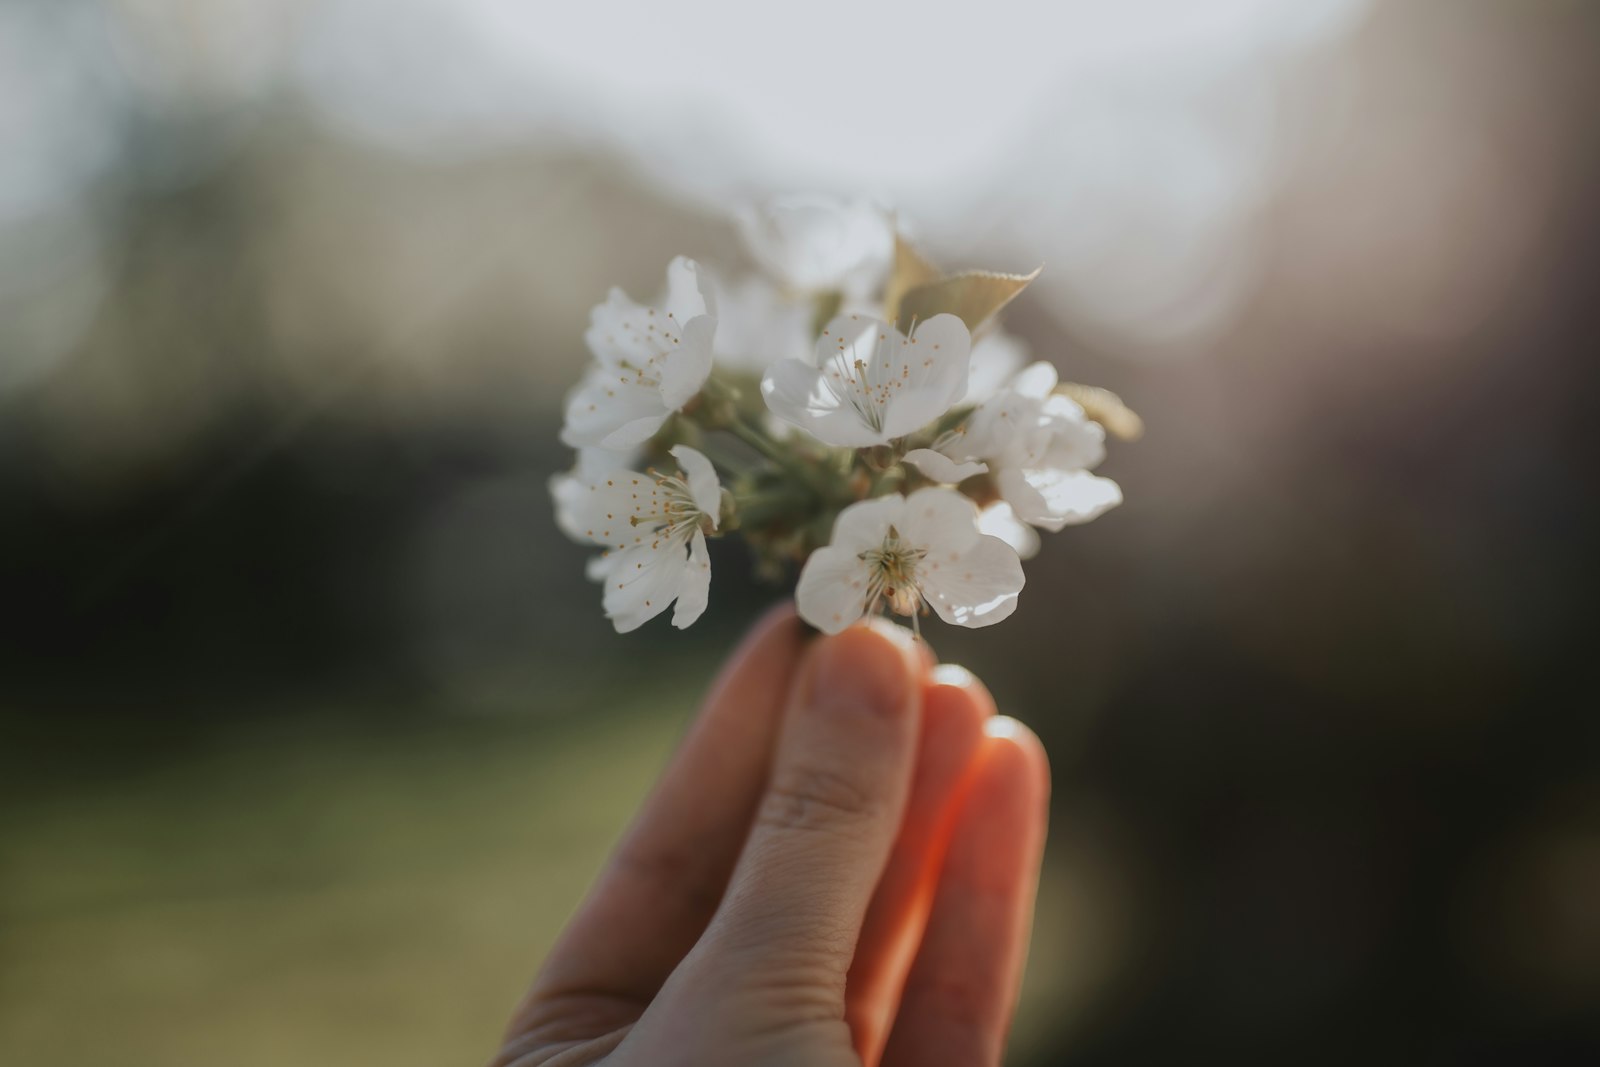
(809, 799)
(682, 878)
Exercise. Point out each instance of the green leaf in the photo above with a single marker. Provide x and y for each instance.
(910, 271)
(972, 297)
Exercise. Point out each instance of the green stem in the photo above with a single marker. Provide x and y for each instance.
(733, 465)
(766, 506)
(769, 448)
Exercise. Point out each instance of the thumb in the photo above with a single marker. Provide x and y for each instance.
(827, 821)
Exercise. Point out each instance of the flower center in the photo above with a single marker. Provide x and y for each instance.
(867, 385)
(647, 375)
(673, 514)
(893, 567)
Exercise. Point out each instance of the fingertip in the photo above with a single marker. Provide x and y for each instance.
(954, 676)
(900, 634)
(870, 668)
(780, 618)
(1014, 754)
(955, 707)
(958, 998)
(769, 649)
(834, 798)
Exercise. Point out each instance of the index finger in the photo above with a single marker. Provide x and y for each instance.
(666, 877)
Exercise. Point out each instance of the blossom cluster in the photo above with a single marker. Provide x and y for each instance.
(847, 408)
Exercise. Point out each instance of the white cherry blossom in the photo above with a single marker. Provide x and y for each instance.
(999, 520)
(814, 243)
(1037, 446)
(758, 325)
(649, 362)
(867, 383)
(654, 528)
(904, 551)
(997, 356)
(569, 489)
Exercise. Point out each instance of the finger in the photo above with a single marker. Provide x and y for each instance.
(666, 877)
(958, 999)
(824, 828)
(954, 707)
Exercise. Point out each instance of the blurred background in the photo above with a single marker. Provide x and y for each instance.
(312, 733)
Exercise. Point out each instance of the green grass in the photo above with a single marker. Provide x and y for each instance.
(308, 894)
(309, 891)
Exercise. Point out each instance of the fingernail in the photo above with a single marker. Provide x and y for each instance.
(860, 669)
(1005, 726)
(952, 674)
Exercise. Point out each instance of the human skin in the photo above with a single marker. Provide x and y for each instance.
(836, 869)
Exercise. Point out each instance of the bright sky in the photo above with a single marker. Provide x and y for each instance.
(1125, 145)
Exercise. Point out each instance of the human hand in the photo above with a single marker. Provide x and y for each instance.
(836, 869)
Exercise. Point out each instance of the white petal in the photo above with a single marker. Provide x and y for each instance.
(573, 492)
(704, 486)
(999, 520)
(819, 242)
(928, 372)
(623, 331)
(690, 292)
(566, 493)
(635, 432)
(605, 411)
(671, 347)
(941, 468)
(604, 510)
(1001, 425)
(1056, 498)
(685, 367)
(641, 583)
(996, 358)
(795, 392)
(757, 325)
(978, 588)
(1074, 441)
(940, 520)
(694, 589)
(1035, 380)
(832, 591)
(938, 358)
(597, 567)
(870, 384)
(864, 524)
